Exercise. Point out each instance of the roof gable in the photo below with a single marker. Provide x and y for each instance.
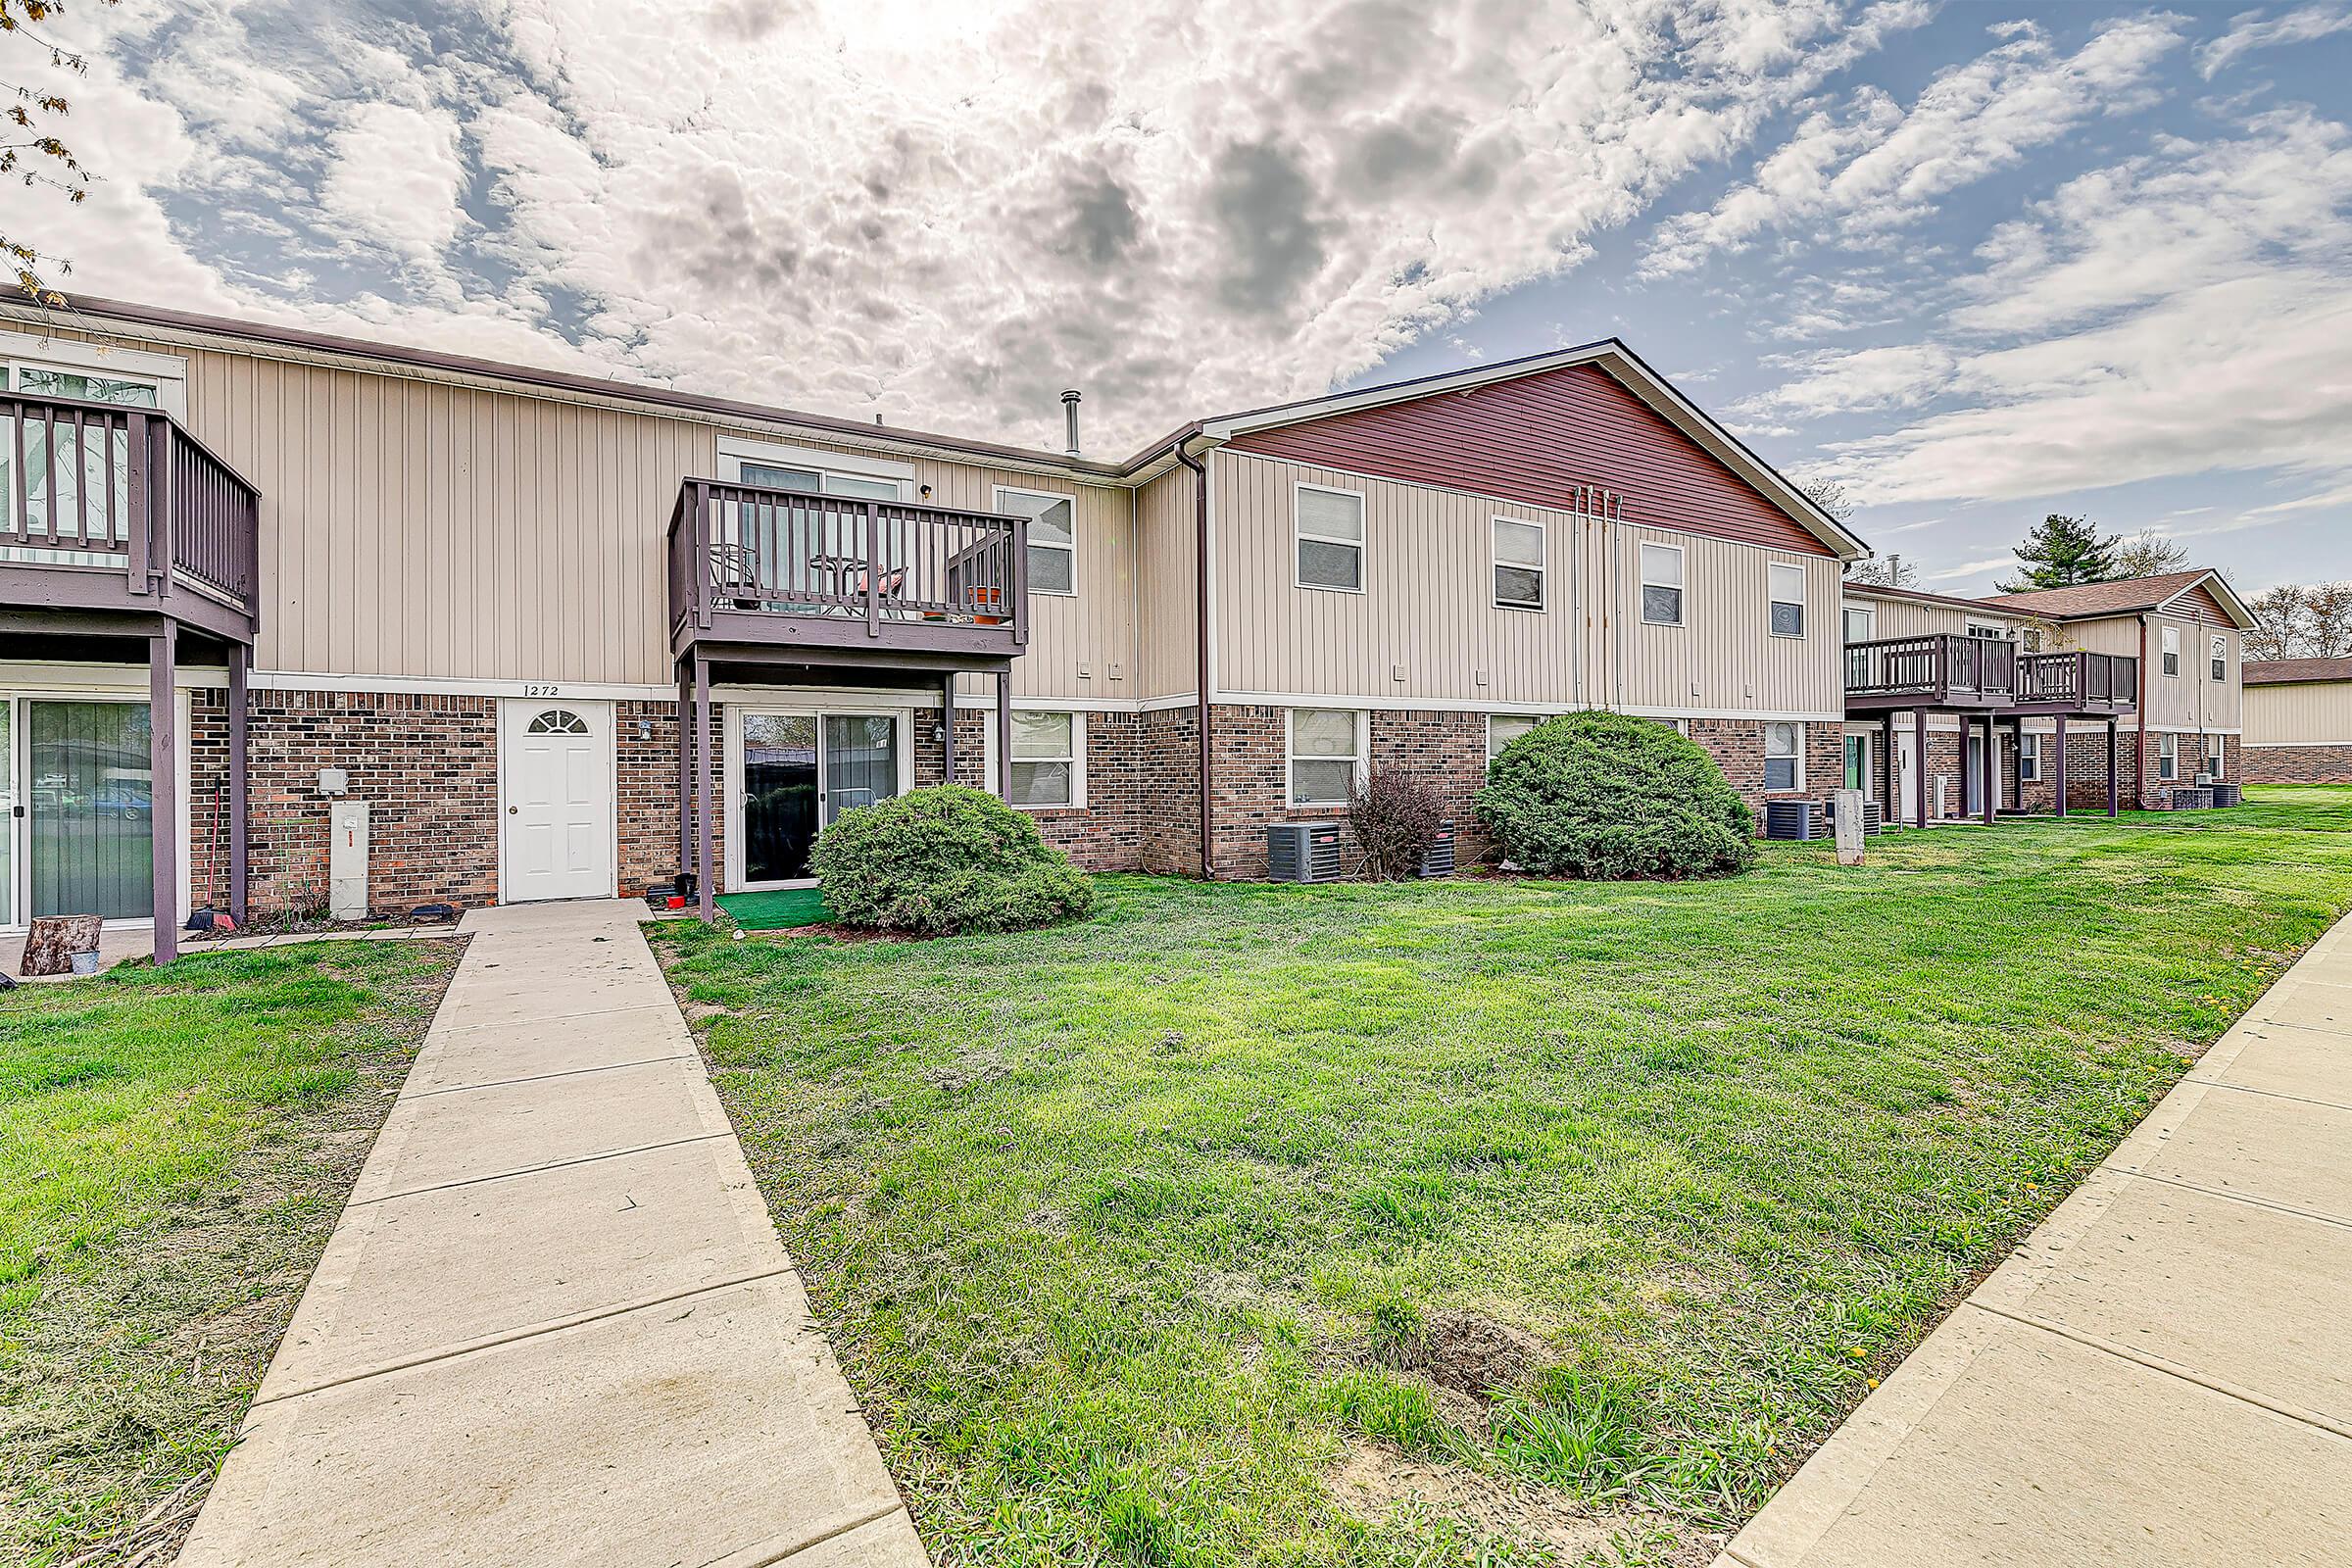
(2199, 593)
(1542, 435)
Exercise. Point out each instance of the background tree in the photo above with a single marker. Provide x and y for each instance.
(2285, 623)
(2064, 551)
(1830, 495)
(2149, 554)
(2327, 606)
(1883, 571)
(33, 151)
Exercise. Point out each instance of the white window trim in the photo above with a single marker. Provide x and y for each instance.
(1363, 547)
(1643, 584)
(1798, 726)
(995, 502)
(1870, 774)
(2168, 647)
(168, 373)
(1870, 622)
(1533, 718)
(995, 781)
(1495, 564)
(1289, 755)
(2168, 757)
(1990, 631)
(2029, 750)
(735, 450)
(1772, 601)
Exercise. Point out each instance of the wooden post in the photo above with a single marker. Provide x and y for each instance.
(163, 790)
(706, 791)
(240, 657)
(685, 769)
(2061, 764)
(1004, 735)
(1991, 782)
(1888, 804)
(2111, 767)
(946, 729)
(1919, 762)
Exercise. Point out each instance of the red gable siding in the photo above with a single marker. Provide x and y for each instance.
(1534, 438)
(2199, 603)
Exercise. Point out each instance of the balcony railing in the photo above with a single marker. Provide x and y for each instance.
(108, 487)
(2078, 679)
(1938, 667)
(752, 563)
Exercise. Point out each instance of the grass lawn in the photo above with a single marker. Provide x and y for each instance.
(175, 1146)
(1481, 1221)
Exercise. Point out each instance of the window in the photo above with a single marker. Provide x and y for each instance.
(2171, 650)
(2216, 754)
(1518, 565)
(1857, 764)
(557, 721)
(1784, 756)
(1788, 590)
(2029, 759)
(2168, 757)
(1859, 624)
(1663, 584)
(1048, 759)
(1053, 537)
(816, 481)
(1331, 538)
(88, 460)
(1504, 728)
(1987, 631)
(2218, 657)
(1325, 750)
(2030, 639)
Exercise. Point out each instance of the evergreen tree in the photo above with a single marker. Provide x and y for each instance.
(2064, 551)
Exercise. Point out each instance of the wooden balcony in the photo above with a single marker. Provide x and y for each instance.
(770, 574)
(108, 512)
(2078, 682)
(1936, 669)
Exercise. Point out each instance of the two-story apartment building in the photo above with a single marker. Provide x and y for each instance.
(2127, 690)
(524, 616)
(2298, 721)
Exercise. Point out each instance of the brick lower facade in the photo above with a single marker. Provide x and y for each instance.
(2299, 764)
(2085, 766)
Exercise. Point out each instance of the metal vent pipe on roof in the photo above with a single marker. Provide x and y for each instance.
(1069, 417)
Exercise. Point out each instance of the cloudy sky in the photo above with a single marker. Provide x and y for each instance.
(1978, 262)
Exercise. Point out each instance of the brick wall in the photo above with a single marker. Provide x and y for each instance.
(426, 766)
(1107, 833)
(1738, 747)
(2299, 764)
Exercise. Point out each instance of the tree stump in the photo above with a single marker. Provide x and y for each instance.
(54, 938)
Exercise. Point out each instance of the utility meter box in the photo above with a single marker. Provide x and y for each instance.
(347, 859)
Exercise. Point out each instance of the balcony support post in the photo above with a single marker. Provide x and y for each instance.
(1004, 735)
(2062, 764)
(1992, 765)
(685, 767)
(706, 791)
(163, 791)
(1891, 809)
(1919, 762)
(946, 729)
(2111, 767)
(240, 660)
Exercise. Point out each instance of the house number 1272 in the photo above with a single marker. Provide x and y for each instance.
(541, 690)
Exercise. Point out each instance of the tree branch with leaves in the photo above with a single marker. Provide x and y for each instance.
(34, 151)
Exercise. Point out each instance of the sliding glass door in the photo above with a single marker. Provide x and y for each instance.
(794, 774)
(89, 798)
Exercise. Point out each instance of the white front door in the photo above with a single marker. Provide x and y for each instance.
(555, 772)
(1906, 778)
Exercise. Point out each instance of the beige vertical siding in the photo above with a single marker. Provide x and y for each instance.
(1909, 617)
(1428, 608)
(2191, 700)
(2315, 712)
(1168, 569)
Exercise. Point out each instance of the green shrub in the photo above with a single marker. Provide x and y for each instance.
(1604, 796)
(943, 860)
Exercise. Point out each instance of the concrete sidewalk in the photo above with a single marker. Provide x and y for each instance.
(2162, 1374)
(555, 1324)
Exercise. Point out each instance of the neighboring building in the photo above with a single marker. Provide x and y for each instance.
(2298, 721)
(522, 612)
(2135, 684)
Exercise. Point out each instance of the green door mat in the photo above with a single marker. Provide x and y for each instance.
(779, 909)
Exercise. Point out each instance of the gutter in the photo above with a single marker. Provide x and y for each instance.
(1209, 866)
(2139, 728)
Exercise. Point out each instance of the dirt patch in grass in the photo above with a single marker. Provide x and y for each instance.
(1372, 1480)
(126, 1369)
(1471, 1356)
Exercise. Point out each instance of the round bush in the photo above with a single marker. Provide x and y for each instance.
(943, 860)
(1604, 796)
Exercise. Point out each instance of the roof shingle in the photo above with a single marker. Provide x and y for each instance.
(2276, 671)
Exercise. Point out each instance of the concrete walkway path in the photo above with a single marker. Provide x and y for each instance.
(554, 1325)
(2162, 1375)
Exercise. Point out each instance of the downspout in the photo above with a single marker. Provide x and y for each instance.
(1209, 866)
(2139, 727)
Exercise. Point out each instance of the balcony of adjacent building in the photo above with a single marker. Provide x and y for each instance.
(1948, 673)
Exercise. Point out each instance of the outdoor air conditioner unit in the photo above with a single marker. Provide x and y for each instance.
(1439, 861)
(1306, 852)
(1873, 815)
(1795, 819)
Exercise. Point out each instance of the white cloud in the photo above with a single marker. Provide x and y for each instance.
(944, 216)
(2186, 313)
(1877, 166)
(2250, 30)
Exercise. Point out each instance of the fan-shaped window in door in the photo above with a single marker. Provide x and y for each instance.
(557, 721)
